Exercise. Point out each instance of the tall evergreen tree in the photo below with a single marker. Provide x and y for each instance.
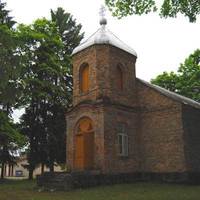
(5, 19)
(9, 84)
(47, 89)
(69, 31)
(70, 35)
(9, 59)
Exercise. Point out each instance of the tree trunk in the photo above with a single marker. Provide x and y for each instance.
(2, 170)
(51, 167)
(5, 170)
(9, 170)
(30, 175)
(42, 168)
(12, 166)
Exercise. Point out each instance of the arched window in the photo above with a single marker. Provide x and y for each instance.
(119, 78)
(84, 78)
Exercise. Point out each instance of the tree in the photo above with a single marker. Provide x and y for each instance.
(167, 81)
(47, 78)
(186, 81)
(169, 8)
(5, 19)
(71, 36)
(42, 45)
(10, 141)
(68, 30)
(10, 59)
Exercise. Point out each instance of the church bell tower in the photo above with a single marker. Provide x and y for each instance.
(103, 87)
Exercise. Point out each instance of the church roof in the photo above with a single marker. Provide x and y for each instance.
(172, 95)
(104, 36)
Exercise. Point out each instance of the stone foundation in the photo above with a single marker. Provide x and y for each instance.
(69, 181)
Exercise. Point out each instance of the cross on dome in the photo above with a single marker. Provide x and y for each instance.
(102, 13)
(104, 36)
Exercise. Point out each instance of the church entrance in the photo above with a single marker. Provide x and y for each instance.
(84, 145)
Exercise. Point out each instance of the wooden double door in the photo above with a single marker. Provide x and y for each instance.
(84, 146)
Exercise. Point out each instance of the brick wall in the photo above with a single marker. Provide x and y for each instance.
(114, 163)
(106, 117)
(191, 126)
(161, 139)
(102, 73)
(86, 56)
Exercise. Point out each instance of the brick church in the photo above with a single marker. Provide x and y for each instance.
(121, 124)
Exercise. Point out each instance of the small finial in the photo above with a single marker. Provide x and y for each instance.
(102, 13)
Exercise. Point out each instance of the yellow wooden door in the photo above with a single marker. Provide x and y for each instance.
(79, 153)
(89, 150)
(84, 146)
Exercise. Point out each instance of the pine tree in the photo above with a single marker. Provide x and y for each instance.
(47, 89)
(5, 19)
(9, 85)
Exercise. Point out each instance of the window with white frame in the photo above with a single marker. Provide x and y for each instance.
(122, 139)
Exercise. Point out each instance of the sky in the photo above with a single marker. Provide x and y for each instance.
(161, 44)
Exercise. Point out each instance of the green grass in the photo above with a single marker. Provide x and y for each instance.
(26, 190)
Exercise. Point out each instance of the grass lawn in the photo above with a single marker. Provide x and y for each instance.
(25, 190)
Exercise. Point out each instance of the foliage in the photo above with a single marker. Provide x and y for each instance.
(5, 19)
(122, 8)
(47, 82)
(186, 81)
(9, 131)
(42, 72)
(10, 140)
(68, 30)
(169, 8)
(10, 60)
(167, 81)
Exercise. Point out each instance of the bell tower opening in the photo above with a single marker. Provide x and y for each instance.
(103, 78)
(84, 145)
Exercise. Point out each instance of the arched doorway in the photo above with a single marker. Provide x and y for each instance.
(84, 145)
